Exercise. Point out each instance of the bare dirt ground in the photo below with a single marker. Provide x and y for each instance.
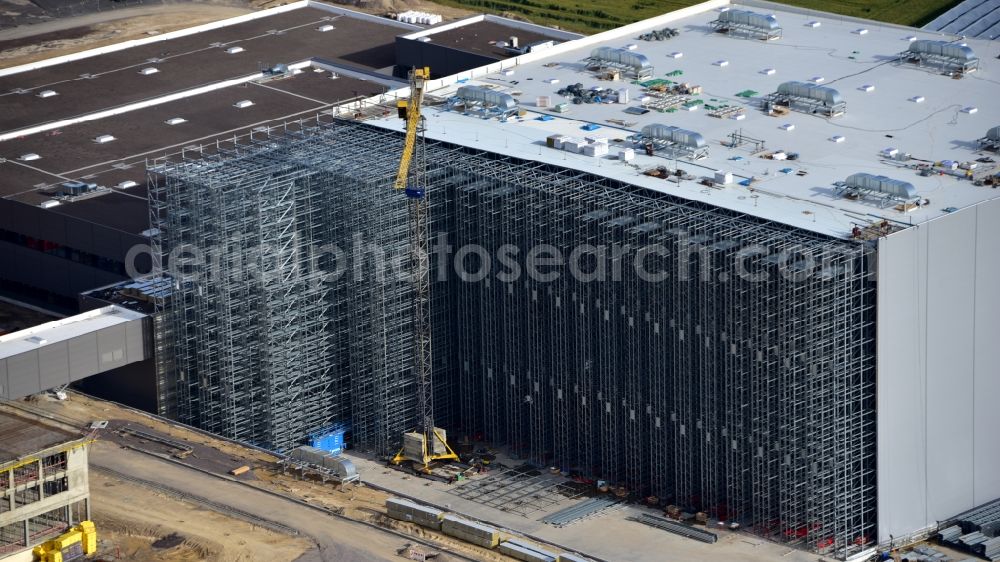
(355, 502)
(178, 531)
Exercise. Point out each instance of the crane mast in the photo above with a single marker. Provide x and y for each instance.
(427, 443)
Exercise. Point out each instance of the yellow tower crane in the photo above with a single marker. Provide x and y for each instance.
(427, 443)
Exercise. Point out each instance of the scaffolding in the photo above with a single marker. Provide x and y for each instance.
(738, 381)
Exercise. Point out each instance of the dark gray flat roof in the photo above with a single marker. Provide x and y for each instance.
(476, 38)
(191, 61)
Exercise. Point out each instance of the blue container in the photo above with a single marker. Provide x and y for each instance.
(331, 441)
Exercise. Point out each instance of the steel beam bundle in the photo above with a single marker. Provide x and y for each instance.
(751, 400)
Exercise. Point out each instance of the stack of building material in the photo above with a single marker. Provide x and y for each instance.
(950, 534)
(581, 510)
(470, 531)
(991, 549)
(405, 510)
(526, 551)
(676, 528)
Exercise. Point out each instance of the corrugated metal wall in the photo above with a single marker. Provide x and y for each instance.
(938, 369)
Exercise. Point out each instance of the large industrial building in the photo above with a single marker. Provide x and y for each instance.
(740, 258)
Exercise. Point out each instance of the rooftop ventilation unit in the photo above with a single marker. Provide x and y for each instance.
(949, 56)
(605, 57)
(47, 93)
(175, 121)
(748, 24)
(884, 188)
(149, 70)
(807, 98)
(484, 100)
(992, 139)
(242, 104)
(75, 188)
(126, 184)
(102, 139)
(29, 157)
(325, 28)
(673, 140)
(234, 50)
(49, 203)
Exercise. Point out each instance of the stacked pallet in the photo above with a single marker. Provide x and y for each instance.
(470, 531)
(405, 510)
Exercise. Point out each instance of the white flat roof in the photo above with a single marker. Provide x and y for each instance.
(49, 333)
(933, 130)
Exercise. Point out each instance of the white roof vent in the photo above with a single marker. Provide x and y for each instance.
(721, 63)
(127, 184)
(47, 93)
(861, 31)
(817, 79)
(29, 157)
(234, 50)
(813, 24)
(175, 121)
(242, 104)
(101, 139)
(768, 71)
(48, 204)
(149, 70)
(325, 28)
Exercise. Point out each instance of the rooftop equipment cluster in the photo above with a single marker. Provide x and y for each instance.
(807, 98)
(660, 35)
(588, 146)
(747, 24)
(514, 47)
(76, 188)
(672, 140)
(886, 189)
(483, 101)
(949, 56)
(622, 59)
(579, 95)
(992, 139)
(422, 18)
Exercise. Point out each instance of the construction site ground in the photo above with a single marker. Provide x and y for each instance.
(141, 456)
(608, 536)
(186, 471)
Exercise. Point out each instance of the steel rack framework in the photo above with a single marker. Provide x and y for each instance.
(736, 379)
